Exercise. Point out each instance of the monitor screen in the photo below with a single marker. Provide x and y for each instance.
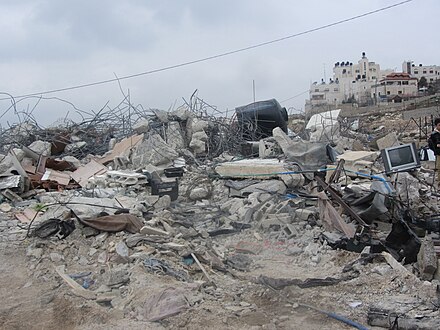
(401, 156)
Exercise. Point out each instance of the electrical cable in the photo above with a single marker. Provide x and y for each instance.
(227, 53)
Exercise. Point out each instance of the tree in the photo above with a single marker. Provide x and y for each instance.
(423, 82)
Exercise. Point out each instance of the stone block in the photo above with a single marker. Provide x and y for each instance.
(264, 209)
(154, 151)
(41, 147)
(142, 126)
(148, 230)
(284, 218)
(389, 140)
(350, 157)
(427, 259)
(174, 136)
(304, 214)
(273, 224)
(290, 231)
(295, 180)
(199, 193)
(126, 178)
(251, 168)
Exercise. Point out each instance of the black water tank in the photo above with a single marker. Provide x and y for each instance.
(257, 120)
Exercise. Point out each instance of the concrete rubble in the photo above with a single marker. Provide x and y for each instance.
(168, 219)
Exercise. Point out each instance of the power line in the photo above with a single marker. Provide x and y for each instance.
(218, 55)
(295, 96)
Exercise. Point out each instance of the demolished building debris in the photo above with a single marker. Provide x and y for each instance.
(167, 217)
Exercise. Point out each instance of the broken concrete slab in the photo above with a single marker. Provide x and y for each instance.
(84, 173)
(174, 136)
(148, 230)
(351, 157)
(251, 168)
(307, 154)
(427, 259)
(122, 148)
(268, 186)
(155, 151)
(11, 182)
(198, 142)
(57, 176)
(142, 126)
(42, 148)
(389, 140)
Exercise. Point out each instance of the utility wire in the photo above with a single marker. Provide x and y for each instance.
(295, 96)
(218, 55)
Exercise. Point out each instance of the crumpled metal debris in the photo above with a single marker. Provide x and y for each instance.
(160, 267)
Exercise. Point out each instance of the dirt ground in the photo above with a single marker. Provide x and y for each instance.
(35, 297)
(36, 303)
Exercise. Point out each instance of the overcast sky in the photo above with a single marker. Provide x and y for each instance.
(51, 44)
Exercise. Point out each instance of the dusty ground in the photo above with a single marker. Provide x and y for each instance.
(30, 303)
(35, 297)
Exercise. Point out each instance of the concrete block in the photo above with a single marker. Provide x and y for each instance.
(284, 218)
(264, 209)
(199, 193)
(283, 207)
(269, 186)
(174, 136)
(290, 231)
(142, 126)
(293, 180)
(198, 142)
(251, 168)
(268, 149)
(148, 230)
(427, 259)
(304, 214)
(126, 178)
(236, 205)
(154, 151)
(41, 147)
(75, 146)
(351, 157)
(273, 224)
(389, 140)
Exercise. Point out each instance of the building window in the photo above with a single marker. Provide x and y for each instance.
(336, 90)
(431, 71)
(399, 92)
(326, 90)
(416, 72)
(424, 71)
(357, 71)
(388, 93)
(404, 82)
(317, 90)
(373, 77)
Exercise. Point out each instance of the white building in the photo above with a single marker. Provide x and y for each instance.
(395, 87)
(351, 83)
(430, 72)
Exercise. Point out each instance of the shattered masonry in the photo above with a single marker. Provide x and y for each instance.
(172, 211)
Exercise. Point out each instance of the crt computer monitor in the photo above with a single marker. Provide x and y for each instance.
(400, 158)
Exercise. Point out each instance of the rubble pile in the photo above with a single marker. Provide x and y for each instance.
(179, 214)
